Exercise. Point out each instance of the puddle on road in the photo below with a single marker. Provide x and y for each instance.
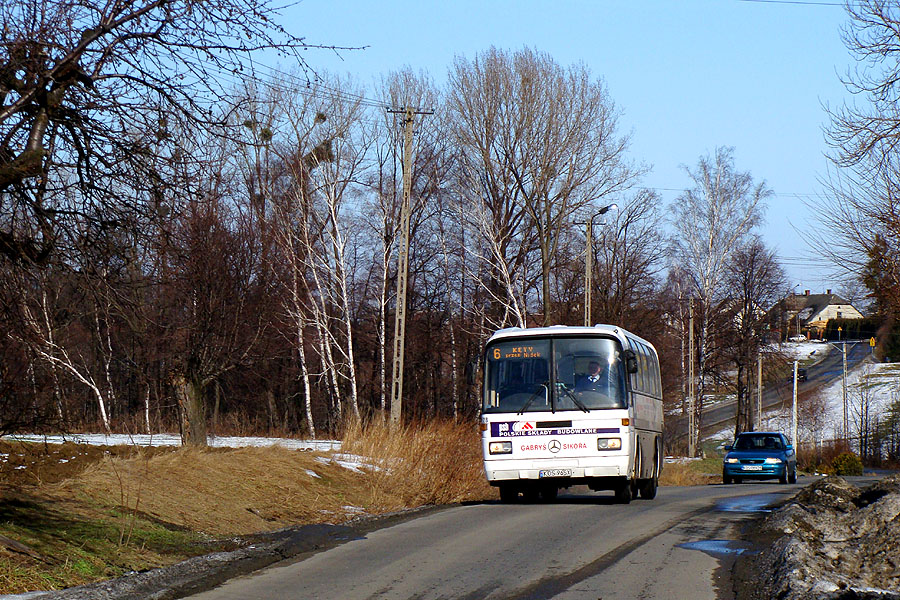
(719, 547)
(753, 503)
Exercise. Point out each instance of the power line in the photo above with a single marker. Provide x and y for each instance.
(800, 2)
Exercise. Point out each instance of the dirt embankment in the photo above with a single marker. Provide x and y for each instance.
(833, 541)
(74, 514)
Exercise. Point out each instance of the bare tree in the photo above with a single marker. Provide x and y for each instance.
(711, 220)
(46, 330)
(754, 282)
(88, 89)
(630, 253)
(538, 143)
(870, 133)
(860, 215)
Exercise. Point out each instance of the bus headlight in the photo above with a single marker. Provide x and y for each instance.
(500, 447)
(609, 444)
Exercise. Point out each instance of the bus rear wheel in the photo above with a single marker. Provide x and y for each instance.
(648, 487)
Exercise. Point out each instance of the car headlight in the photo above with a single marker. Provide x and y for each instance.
(732, 460)
(773, 461)
(609, 443)
(500, 447)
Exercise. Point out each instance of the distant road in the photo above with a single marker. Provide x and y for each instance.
(774, 396)
(582, 547)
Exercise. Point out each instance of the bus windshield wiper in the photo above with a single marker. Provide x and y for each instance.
(533, 396)
(575, 399)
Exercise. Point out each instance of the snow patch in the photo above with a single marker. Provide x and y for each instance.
(169, 439)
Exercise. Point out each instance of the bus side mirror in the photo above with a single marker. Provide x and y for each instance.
(471, 372)
(631, 361)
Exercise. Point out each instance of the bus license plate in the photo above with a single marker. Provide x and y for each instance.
(752, 467)
(556, 473)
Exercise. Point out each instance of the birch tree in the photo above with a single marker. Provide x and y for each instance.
(711, 220)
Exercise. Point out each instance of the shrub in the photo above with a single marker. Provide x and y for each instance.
(847, 464)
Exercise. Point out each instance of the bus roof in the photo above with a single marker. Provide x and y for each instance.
(565, 330)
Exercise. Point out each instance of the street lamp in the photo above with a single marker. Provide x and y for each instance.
(587, 260)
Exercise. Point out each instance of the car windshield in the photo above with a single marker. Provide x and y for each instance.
(758, 442)
(558, 374)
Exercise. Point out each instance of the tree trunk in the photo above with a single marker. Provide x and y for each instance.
(273, 410)
(216, 405)
(147, 407)
(189, 394)
(304, 375)
(545, 282)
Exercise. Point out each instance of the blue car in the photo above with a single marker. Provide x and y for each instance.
(760, 455)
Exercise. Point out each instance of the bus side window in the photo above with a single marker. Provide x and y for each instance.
(642, 368)
(635, 377)
(657, 379)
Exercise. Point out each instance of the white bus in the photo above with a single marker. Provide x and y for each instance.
(565, 406)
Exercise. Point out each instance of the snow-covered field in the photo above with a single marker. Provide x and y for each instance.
(802, 351)
(871, 385)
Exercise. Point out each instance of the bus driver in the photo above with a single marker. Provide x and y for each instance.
(593, 381)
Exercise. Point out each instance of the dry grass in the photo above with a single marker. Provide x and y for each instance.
(222, 492)
(433, 463)
(685, 474)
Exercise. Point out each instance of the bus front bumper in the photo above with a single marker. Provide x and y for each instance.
(578, 471)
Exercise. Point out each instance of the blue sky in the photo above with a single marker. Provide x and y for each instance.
(687, 75)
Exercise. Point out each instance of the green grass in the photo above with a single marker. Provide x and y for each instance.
(78, 547)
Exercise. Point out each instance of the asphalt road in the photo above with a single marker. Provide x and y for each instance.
(824, 372)
(583, 546)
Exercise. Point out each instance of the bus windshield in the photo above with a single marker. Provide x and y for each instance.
(554, 374)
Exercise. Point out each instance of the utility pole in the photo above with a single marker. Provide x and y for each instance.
(402, 266)
(846, 427)
(589, 257)
(794, 408)
(844, 385)
(759, 386)
(691, 445)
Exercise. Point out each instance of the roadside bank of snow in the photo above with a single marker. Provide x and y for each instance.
(833, 541)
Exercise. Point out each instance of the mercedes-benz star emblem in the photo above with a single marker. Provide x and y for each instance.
(555, 446)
